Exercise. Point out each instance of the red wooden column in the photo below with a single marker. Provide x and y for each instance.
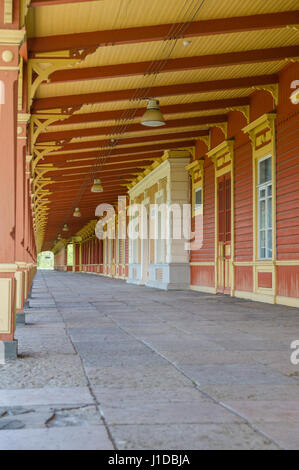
(84, 255)
(97, 255)
(91, 255)
(8, 139)
(21, 258)
(26, 227)
(65, 267)
(88, 255)
(94, 255)
(101, 256)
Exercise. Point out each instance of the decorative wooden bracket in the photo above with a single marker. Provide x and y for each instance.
(82, 53)
(245, 110)
(39, 154)
(39, 181)
(273, 89)
(223, 126)
(40, 122)
(206, 139)
(191, 150)
(40, 69)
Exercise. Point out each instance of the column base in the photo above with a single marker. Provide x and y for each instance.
(26, 304)
(171, 276)
(9, 350)
(20, 318)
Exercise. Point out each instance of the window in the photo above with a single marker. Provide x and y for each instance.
(264, 197)
(198, 199)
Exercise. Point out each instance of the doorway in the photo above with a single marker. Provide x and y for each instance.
(224, 234)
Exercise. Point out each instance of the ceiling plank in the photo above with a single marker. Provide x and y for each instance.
(168, 109)
(76, 101)
(120, 129)
(161, 32)
(175, 65)
(124, 151)
(98, 144)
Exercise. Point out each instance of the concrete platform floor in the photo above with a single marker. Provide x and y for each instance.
(107, 365)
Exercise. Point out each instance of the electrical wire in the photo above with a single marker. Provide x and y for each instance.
(175, 33)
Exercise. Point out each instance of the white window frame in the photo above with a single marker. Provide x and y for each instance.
(264, 186)
(198, 207)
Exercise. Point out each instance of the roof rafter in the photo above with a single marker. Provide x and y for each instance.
(144, 149)
(196, 106)
(76, 101)
(93, 144)
(161, 32)
(175, 65)
(136, 127)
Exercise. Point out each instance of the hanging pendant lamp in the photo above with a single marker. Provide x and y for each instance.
(77, 212)
(153, 116)
(97, 186)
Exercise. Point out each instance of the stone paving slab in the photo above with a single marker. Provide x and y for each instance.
(233, 374)
(71, 438)
(139, 377)
(184, 412)
(45, 396)
(190, 437)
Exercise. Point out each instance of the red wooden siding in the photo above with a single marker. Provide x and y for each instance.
(204, 275)
(244, 278)
(287, 151)
(288, 281)
(207, 252)
(264, 280)
(243, 204)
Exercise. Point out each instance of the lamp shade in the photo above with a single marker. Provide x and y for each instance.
(153, 116)
(77, 212)
(65, 228)
(97, 187)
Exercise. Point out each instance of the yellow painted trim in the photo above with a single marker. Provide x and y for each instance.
(179, 153)
(206, 289)
(243, 263)
(265, 121)
(225, 149)
(196, 170)
(5, 308)
(256, 297)
(287, 263)
(202, 263)
(7, 67)
(11, 36)
(8, 268)
(289, 301)
(8, 11)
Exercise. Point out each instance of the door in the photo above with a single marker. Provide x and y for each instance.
(224, 234)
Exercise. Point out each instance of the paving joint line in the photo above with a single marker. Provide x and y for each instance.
(197, 385)
(89, 386)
